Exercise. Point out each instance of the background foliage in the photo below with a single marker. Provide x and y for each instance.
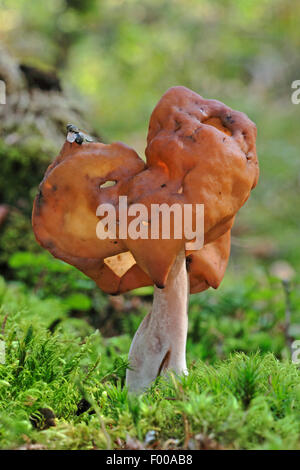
(108, 63)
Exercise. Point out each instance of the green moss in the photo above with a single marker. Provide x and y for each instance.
(22, 169)
(248, 401)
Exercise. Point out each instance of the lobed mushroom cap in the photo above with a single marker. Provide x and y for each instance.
(198, 152)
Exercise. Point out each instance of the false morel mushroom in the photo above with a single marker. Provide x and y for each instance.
(199, 152)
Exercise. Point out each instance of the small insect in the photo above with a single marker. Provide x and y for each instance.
(76, 135)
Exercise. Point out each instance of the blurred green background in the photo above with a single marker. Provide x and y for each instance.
(106, 63)
(103, 65)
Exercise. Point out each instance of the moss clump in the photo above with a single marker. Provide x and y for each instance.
(22, 169)
(16, 235)
(248, 401)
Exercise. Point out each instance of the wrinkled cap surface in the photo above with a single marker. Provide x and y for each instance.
(198, 152)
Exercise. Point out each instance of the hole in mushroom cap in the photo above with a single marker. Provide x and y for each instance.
(216, 122)
(177, 125)
(120, 263)
(107, 184)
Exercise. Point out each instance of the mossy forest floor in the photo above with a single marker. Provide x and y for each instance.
(62, 383)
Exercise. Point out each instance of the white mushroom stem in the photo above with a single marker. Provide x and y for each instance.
(160, 342)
